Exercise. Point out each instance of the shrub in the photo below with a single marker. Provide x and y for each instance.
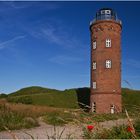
(2, 95)
(25, 100)
(20, 99)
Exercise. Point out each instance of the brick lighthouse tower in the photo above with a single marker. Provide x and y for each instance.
(106, 62)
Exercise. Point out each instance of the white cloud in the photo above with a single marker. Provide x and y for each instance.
(61, 36)
(8, 43)
(51, 35)
(56, 32)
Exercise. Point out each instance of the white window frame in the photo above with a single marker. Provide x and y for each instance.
(94, 65)
(108, 64)
(94, 45)
(108, 43)
(94, 85)
(103, 12)
(107, 12)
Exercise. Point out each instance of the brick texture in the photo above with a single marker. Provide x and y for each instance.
(108, 90)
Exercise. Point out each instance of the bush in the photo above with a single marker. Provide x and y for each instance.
(2, 95)
(25, 100)
(22, 99)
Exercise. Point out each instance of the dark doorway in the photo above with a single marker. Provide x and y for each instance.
(83, 96)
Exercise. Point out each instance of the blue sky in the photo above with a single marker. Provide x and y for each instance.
(48, 43)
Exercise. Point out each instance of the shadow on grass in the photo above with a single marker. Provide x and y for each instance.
(83, 96)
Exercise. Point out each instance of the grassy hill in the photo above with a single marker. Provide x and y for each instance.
(44, 96)
(33, 90)
(62, 104)
(68, 98)
(130, 91)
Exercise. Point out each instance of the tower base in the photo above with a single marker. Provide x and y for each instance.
(106, 103)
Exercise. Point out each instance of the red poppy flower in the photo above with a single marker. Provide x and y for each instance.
(129, 129)
(90, 127)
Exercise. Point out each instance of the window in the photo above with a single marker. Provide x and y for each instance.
(94, 65)
(108, 43)
(108, 64)
(103, 12)
(107, 12)
(93, 107)
(94, 85)
(94, 44)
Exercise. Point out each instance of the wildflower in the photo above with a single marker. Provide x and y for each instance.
(129, 129)
(90, 127)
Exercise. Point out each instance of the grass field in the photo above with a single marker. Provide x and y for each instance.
(42, 96)
(131, 101)
(68, 98)
(71, 98)
(57, 107)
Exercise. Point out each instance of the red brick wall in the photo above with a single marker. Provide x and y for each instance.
(108, 80)
(104, 102)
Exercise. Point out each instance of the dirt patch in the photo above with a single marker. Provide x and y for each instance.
(45, 131)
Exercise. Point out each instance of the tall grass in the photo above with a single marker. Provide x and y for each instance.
(14, 120)
(114, 133)
(59, 118)
(33, 111)
(53, 105)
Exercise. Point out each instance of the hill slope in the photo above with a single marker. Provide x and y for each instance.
(44, 96)
(69, 98)
(33, 90)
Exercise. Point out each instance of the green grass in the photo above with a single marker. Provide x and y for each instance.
(58, 118)
(100, 117)
(62, 99)
(117, 132)
(69, 98)
(33, 90)
(131, 102)
(65, 102)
